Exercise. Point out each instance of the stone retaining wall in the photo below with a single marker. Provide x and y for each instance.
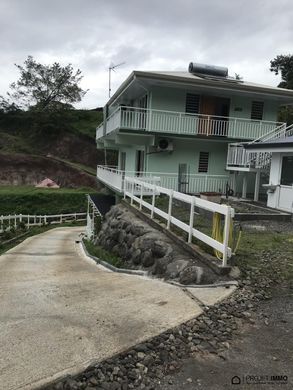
(141, 246)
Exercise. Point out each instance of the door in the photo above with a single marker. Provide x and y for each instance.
(215, 112)
(183, 178)
(139, 162)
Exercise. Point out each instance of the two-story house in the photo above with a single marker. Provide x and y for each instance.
(186, 129)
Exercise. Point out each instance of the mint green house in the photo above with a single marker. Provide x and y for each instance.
(185, 130)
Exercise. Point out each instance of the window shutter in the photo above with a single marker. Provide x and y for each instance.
(203, 164)
(192, 103)
(257, 110)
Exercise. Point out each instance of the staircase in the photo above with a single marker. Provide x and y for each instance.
(240, 159)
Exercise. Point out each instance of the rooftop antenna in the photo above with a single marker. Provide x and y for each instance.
(112, 67)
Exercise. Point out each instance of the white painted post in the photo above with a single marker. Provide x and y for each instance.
(244, 186)
(20, 217)
(45, 219)
(61, 216)
(15, 224)
(35, 220)
(75, 216)
(153, 201)
(256, 188)
(141, 191)
(226, 236)
(191, 219)
(28, 221)
(132, 193)
(9, 221)
(170, 209)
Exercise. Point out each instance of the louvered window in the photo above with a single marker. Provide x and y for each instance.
(192, 103)
(257, 110)
(203, 164)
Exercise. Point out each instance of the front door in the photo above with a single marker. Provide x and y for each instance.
(183, 178)
(215, 111)
(139, 162)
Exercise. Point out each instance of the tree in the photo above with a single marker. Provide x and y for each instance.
(283, 64)
(46, 87)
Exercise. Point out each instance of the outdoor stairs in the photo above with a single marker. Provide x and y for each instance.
(240, 159)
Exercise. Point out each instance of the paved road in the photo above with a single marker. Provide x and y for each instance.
(59, 311)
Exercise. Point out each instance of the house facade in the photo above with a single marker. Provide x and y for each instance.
(186, 130)
(280, 182)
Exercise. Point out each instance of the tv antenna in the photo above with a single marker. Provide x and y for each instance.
(112, 68)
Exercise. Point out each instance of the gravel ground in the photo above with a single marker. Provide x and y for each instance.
(247, 334)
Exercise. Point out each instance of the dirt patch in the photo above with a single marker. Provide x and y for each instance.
(21, 169)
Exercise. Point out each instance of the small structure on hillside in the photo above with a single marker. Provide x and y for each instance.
(47, 183)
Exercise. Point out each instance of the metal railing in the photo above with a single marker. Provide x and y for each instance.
(193, 183)
(238, 156)
(162, 121)
(12, 221)
(133, 185)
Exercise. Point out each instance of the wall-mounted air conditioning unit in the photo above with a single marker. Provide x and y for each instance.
(164, 145)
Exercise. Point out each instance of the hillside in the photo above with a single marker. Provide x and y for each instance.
(60, 146)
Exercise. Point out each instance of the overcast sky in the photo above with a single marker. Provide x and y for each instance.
(243, 35)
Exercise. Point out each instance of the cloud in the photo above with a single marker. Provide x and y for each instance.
(148, 35)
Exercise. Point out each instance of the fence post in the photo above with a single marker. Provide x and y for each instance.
(28, 221)
(45, 219)
(170, 209)
(191, 219)
(132, 192)
(226, 236)
(60, 218)
(124, 188)
(153, 201)
(20, 217)
(15, 224)
(141, 191)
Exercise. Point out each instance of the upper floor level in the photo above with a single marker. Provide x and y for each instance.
(183, 103)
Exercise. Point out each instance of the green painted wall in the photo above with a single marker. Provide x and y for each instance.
(173, 99)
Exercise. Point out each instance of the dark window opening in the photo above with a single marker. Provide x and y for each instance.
(203, 164)
(192, 103)
(257, 110)
(139, 162)
(287, 171)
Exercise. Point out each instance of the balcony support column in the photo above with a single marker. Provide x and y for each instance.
(244, 186)
(256, 188)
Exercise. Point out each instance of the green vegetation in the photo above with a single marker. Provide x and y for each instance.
(30, 200)
(102, 254)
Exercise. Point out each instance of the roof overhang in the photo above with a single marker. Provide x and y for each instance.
(140, 81)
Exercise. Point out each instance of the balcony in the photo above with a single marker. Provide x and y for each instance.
(191, 183)
(170, 122)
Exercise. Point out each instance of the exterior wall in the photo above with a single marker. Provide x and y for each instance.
(282, 197)
(173, 99)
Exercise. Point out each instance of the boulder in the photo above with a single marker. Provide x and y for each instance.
(191, 275)
(147, 259)
(175, 268)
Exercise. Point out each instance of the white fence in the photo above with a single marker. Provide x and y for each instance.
(133, 118)
(9, 221)
(133, 185)
(193, 183)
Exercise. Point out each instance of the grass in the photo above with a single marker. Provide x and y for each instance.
(102, 254)
(31, 200)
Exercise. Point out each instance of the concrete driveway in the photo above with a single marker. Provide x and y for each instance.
(59, 311)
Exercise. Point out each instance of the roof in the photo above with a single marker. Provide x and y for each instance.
(279, 143)
(205, 81)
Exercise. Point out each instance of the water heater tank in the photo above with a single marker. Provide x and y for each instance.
(211, 70)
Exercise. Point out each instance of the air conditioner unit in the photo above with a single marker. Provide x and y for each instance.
(164, 145)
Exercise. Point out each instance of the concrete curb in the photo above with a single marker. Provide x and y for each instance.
(111, 268)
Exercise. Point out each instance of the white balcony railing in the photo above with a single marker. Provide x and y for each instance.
(172, 122)
(239, 157)
(191, 183)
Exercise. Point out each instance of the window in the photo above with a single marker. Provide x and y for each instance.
(192, 103)
(257, 110)
(287, 171)
(203, 164)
